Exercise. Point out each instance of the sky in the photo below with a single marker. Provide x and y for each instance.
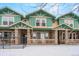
(53, 8)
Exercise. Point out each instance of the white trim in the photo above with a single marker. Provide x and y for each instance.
(41, 21)
(63, 24)
(42, 34)
(7, 21)
(21, 22)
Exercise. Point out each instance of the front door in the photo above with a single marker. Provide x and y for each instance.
(61, 37)
(23, 36)
(23, 39)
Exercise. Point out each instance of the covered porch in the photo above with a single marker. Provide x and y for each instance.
(16, 34)
(67, 35)
(43, 36)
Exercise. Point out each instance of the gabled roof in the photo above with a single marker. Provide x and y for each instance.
(65, 26)
(20, 22)
(7, 8)
(70, 14)
(39, 11)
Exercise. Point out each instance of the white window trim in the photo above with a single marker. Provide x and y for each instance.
(41, 21)
(7, 20)
(42, 34)
(34, 34)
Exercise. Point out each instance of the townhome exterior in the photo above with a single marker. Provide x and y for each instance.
(68, 28)
(42, 23)
(38, 27)
(11, 27)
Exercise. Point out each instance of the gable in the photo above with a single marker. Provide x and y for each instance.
(20, 25)
(63, 26)
(40, 12)
(69, 15)
(7, 10)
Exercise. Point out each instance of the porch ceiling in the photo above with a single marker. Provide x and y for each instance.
(20, 25)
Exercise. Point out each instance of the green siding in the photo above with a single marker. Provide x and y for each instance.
(0, 19)
(61, 21)
(17, 18)
(76, 24)
(32, 21)
(49, 22)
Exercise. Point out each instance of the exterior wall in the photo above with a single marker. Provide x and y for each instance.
(48, 41)
(10, 41)
(0, 19)
(50, 23)
(55, 24)
(72, 41)
(17, 18)
(40, 14)
(31, 41)
(76, 21)
(32, 21)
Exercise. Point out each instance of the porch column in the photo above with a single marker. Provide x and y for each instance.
(66, 36)
(16, 36)
(28, 36)
(56, 36)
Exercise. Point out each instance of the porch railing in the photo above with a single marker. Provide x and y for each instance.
(10, 42)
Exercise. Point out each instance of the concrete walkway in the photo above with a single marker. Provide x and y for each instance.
(43, 50)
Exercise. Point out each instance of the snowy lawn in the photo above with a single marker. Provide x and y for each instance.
(42, 50)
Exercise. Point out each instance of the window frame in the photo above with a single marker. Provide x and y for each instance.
(40, 20)
(8, 21)
(42, 35)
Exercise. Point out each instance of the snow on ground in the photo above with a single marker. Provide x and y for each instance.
(43, 50)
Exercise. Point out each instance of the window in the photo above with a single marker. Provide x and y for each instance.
(7, 20)
(40, 35)
(46, 35)
(13, 35)
(40, 22)
(37, 22)
(0, 35)
(43, 22)
(34, 35)
(7, 35)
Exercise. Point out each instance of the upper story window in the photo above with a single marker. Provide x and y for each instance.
(41, 22)
(7, 20)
